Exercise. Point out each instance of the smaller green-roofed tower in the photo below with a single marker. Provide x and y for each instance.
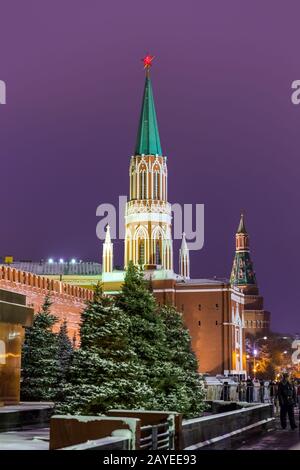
(242, 274)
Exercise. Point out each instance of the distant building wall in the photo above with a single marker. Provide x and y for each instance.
(257, 322)
(214, 316)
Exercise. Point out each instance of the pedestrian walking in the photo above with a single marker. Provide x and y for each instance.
(267, 390)
(225, 391)
(262, 391)
(256, 391)
(298, 395)
(249, 394)
(287, 401)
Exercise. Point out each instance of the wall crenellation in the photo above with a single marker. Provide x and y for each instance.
(44, 283)
(68, 301)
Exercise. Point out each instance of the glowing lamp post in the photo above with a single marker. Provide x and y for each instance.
(255, 353)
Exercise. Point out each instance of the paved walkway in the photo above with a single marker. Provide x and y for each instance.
(26, 406)
(278, 439)
(25, 439)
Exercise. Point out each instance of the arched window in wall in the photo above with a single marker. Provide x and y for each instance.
(143, 184)
(142, 252)
(141, 248)
(157, 252)
(156, 184)
(132, 184)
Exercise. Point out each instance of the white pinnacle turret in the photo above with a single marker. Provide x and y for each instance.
(184, 246)
(184, 259)
(107, 257)
(107, 234)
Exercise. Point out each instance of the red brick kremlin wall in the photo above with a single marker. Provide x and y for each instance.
(68, 301)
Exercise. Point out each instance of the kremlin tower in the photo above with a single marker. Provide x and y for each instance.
(148, 238)
(242, 274)
(256, 319)
(148, 220)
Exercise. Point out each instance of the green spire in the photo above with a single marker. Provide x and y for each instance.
(242, 228)
(148, 141)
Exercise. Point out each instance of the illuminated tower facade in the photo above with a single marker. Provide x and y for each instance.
(242, 274)
(148, 238)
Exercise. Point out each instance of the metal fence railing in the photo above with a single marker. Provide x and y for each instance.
(241, 392)
(157, 437)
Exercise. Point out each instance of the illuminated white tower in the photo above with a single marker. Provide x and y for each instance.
(184, 259)
(148, 238)
(107, 257)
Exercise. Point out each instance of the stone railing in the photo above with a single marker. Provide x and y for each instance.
(42, 283)
(223, 430)
(124, 429)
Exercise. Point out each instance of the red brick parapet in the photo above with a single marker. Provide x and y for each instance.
(68, 300)
(44, 283)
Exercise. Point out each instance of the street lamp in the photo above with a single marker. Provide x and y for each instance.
(254, 361)
(255, 352)
(285, 364)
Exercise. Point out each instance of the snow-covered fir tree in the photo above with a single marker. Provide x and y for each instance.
(146, 333)
(132, 355)
(40, 362)
(181, 386)
(65, 353)
(163, 347)
(104, 372)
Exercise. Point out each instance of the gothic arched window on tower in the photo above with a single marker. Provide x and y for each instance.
(143, 184)
(156, 184)
(132, 183)
(157, 253)
(142, 252)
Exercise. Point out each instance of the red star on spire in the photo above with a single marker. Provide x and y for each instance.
(148, 61)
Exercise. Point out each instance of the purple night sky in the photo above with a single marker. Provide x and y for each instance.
(222, 84)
